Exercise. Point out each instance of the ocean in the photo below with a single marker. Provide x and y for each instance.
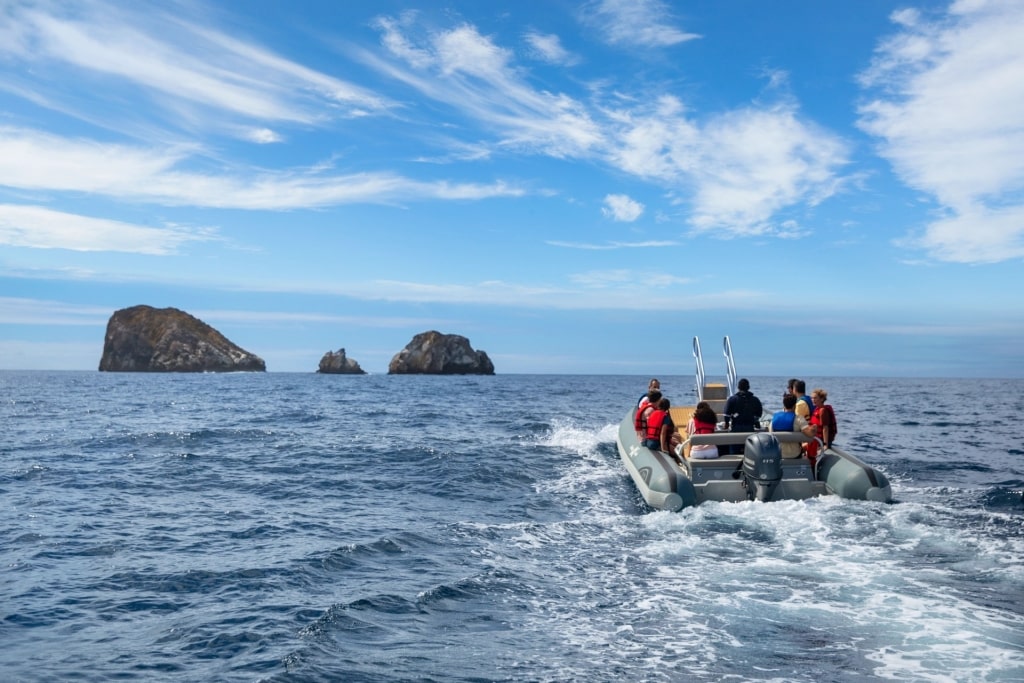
(304, 527)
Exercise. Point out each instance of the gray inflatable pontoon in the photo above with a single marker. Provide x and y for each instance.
(672, 482)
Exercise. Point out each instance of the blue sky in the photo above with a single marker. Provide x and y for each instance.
(577, 187)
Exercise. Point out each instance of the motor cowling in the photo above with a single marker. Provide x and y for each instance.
(762, 466)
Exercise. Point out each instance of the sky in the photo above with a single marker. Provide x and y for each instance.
(576, 186)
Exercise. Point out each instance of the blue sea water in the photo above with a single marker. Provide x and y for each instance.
(304, 527)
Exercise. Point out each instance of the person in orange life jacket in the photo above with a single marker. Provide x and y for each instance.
(804, 406)
(653, 385)
(702, 422)
(660, 428)
(647, 406)
(786, 420)
(823, 420)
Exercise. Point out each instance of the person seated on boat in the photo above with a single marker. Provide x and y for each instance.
(742, 412)
(661, 431)
(786, 420)
(647, 406)
(789, 386)
(823, 421)
(702, 422)
(804, 406)
(653, 385)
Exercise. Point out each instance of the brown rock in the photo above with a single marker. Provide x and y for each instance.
(147, 339)
(335, 363)
(433, 353)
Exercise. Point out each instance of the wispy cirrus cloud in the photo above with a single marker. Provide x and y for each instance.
(611, 246)
(737, 169)
(80, 53)
(30, 160)
(947, 106)
(547, 47)
(42, 228)
(635, 23)
(28, 311)
(473, 74)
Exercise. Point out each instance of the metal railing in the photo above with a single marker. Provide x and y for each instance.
(730, 366)
(700, 369)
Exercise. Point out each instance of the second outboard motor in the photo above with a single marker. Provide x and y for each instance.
(762, 466)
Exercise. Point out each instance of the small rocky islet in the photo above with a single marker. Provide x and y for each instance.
(147, 339)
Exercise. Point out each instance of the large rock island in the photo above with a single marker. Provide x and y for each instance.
(147, 339)
(433, 353)
(337, 363)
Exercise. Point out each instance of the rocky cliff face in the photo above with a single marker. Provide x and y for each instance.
(433, 353)
(147, 339)
(336, 363)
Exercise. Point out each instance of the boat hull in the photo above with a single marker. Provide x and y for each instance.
(666, 483)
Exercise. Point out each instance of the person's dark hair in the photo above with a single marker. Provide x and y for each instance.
(789, 385)
(664, 404)
(800, 386)
(789, 401)
(653, 396)
(744, 384)
(704, 413)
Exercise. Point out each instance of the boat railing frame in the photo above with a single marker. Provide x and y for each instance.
(730, 365)
(700, 369)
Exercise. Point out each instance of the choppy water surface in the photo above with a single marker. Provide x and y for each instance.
(301, 527)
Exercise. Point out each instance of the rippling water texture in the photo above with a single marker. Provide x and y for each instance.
(303, 527)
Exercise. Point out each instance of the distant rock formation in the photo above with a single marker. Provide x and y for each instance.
(433, 353)
(147, 339)
(335, 363)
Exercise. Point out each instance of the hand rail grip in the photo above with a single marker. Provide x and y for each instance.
(700, 369)
(730, 366)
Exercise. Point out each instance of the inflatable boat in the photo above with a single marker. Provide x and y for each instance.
(672, 481)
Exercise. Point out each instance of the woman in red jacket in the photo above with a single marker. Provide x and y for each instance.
(824, 421)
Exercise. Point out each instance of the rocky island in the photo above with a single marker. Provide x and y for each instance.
(336, 363)
(433, 353)
(147, 339)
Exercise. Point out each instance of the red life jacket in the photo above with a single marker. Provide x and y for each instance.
(703, 427)
(654, 422)
(639, 422)
(825, 417)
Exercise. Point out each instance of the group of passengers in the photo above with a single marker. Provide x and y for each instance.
(653, 422)
(809, 415)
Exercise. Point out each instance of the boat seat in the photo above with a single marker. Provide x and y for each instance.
(727, 438)
(725, 461)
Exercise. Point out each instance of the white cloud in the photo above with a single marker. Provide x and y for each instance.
(548, 48)
(262, 136)
(469, 72)
(735, 188)
(21, 311)
(641, 23)
(41, 228)
(752, 163)
(198, 75)
(642, 280)
(611, 246)
(743, 166)
(974, 234)
(950, 118)
(34, 161)
(622, 208)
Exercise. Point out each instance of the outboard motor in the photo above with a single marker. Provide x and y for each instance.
(762, 466)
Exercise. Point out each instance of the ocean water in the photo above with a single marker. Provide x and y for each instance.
(304, 527)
